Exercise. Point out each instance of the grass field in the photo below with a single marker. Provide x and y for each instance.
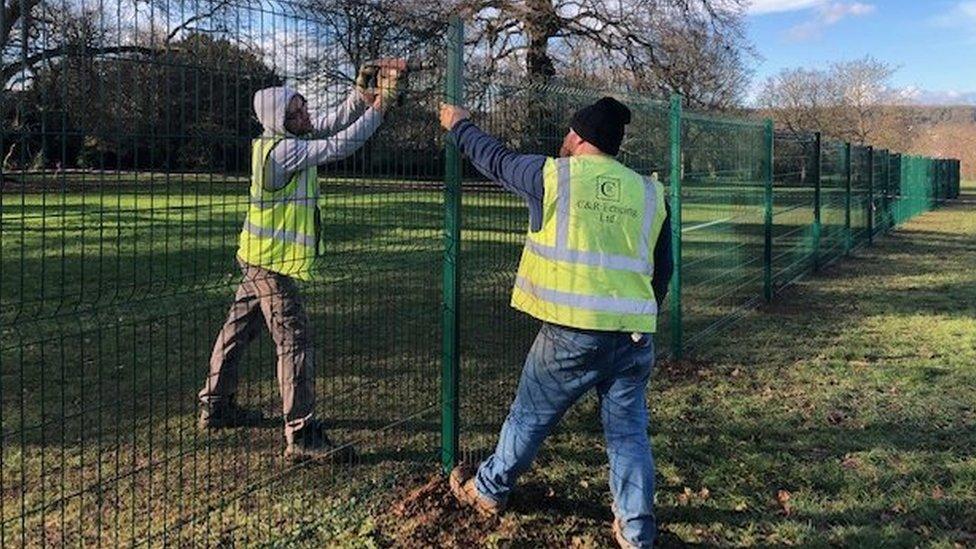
(843, 415)
(111, 298)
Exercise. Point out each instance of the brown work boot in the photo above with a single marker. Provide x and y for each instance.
(226, 413)
(464, 489)
(618, 533)
(312, 443)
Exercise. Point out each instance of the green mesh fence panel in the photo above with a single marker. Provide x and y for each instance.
(794, 173)
(880, 199)
(894, 187)
(833, 196)
(722, 210)
(956, 177)
(860, 197)
(916, 194)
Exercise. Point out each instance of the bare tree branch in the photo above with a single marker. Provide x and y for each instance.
(199, 17)
(10, 70)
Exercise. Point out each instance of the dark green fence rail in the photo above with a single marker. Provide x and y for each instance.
(118, 228)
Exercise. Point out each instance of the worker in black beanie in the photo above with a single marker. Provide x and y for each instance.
(595, 270)
(602, 124)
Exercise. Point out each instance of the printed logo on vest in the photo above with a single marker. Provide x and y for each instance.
(608, 188)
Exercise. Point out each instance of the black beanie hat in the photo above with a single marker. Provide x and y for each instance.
(602, 124)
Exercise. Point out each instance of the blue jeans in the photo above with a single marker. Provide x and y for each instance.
(563, 364)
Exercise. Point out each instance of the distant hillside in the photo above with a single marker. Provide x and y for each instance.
(946, 132)
(931, 115)
(939, 131)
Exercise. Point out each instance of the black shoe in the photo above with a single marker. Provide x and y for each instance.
(312, 443)
(227, 413)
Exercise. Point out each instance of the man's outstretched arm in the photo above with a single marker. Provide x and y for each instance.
(334, 120)
(520, 174)
(292, 155)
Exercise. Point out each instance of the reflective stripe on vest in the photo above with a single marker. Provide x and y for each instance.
(594, 259)
(622, 305)
(280, 234)
(299, 194)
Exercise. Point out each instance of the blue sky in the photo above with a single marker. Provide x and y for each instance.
(932, 42)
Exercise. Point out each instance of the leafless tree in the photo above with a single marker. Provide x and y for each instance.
(34, 31)
(852, 100)
(864, 87)
(801, 100)
(38, 36)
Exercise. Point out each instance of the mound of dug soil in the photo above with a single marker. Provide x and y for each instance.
(429, 516)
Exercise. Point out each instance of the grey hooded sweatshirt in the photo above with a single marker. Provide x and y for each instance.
(338, 133)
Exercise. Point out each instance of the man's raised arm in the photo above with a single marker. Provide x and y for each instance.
(518, 173)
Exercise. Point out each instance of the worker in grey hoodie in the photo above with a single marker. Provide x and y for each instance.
(281, 242)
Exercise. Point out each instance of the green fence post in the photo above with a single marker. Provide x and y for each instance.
(768, 217)
(957, 178)
(677, 332)
(817, 159)
(886, 182)
(871, 195)
(450, 358)
(847, 199)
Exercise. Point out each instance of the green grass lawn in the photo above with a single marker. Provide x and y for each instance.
(842, 415)
(111, 298)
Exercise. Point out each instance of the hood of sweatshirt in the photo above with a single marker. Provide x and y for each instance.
(270, 105)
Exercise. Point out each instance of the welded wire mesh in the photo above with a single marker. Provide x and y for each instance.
(833, 202)
(880, 200)
(722, 210)
(916, 188)
(794, 193)
(123, 201)
(860, 194)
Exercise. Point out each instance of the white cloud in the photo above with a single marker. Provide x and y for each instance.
(835, 11)
(826, 15)
(962, 14)
(759, 7)
(939, 97)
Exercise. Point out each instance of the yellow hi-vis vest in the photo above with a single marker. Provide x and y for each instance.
(281, 230)
(590, 265)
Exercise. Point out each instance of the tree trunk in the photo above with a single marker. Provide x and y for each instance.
(541, 23)
(537, 60)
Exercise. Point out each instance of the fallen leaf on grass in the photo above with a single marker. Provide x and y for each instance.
(850, 462)
(937, 493)
(687, 496)
(783, 499)
(835, 417)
